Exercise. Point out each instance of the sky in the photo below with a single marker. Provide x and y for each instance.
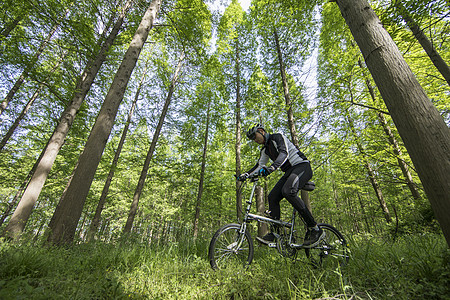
(245, 4)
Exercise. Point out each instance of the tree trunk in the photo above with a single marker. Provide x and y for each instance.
(27, 69)
(424, 132)
(370, 173)
(144, 172)
(10, 26)
(101, 202)
(202, 173)
(263, 228)
(393, 141)
(238, 133)
(68, 211)
(287, 96)
(25, 110)
(426, 44)
(290, 114)
(363, 213)
(34, 188)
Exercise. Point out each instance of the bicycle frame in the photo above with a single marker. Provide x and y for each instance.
(233, 242)
(248, 217)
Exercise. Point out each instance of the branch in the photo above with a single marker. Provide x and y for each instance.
(50, 88)
(369, 107)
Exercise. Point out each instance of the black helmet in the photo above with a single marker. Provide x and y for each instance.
(252, 131)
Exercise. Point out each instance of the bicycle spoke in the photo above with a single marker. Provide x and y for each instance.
(332, 250)
(229, 246)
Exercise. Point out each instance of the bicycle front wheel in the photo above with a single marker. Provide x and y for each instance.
(332, 251)
(230, 247)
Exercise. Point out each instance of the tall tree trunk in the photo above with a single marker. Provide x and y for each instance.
(363, 213)
(27, 69)
(67, 214)
(370, 173)
(287, 96)
(290, 114)
(394, 143)
(424, 132)
(24, 111)
(238, 132)
(10, 26)
(101, 202)
(263, 228)
(202, 173)
(34, 188)
(19, 192)
(144, 172)
(426, 44)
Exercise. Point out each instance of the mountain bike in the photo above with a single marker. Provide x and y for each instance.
(232, 244)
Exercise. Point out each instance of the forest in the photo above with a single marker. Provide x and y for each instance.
(122, 127)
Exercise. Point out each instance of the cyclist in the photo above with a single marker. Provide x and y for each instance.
(297, 172)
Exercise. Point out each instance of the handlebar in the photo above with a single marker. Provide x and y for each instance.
(250, 176)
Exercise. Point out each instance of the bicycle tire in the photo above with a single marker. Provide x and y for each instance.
(222, 251)
(332, 251)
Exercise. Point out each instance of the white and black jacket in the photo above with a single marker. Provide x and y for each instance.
(281, 151)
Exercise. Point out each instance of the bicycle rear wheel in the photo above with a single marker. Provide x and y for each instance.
(229, 247)
(332, 251)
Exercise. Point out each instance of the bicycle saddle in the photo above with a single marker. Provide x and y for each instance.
(309, 186)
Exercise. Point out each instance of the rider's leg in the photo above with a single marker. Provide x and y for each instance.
(275, 196)
(297, 177)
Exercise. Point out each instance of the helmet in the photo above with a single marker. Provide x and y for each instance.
(252, 131)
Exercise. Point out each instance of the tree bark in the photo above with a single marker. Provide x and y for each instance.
(426, 44)
(370, 173)
(290, 114)
(287, 96)
(202, 173)
(424, 132)
(144, 172)
(27, 70)
(263, 228)
(393, 141)
(238, 132)
(101, 202)
(24, 111)
(47, 158)
(67, 214)
(10, 26)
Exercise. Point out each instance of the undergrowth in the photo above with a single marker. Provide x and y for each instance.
(412, 267)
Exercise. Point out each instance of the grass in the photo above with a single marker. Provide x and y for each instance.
(413, 267)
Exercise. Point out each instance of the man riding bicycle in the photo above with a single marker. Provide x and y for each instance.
(297, 172)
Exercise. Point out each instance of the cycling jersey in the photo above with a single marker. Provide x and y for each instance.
(281, 151)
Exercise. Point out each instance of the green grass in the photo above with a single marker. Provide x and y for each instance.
(414, 267)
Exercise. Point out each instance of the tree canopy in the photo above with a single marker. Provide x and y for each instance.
(362, 167)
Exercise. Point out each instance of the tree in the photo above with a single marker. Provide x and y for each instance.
(202, 171)
(47, 158)
(424, 132)
(101, 202)
(229, 48)
(141, 182)
(67, 214)
(27, 70)
(427, 45)
(392, 139)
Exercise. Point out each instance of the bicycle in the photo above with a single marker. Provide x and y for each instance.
(233, 244)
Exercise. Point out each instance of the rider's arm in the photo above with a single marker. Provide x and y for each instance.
(281, 143)
(263, 159)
